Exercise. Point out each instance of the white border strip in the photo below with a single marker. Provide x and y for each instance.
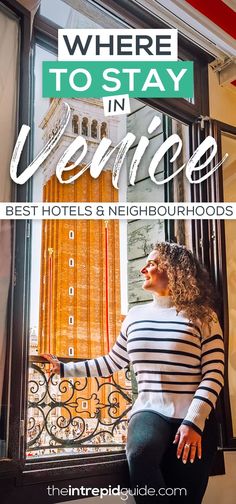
(117, 211)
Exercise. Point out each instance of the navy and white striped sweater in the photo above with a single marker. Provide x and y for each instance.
(179, 369)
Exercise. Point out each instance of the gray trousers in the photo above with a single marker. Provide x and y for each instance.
(153, 463)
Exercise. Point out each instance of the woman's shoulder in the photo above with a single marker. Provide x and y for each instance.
(138, 309)
(140, 306)
(134, 313)
(213, 327)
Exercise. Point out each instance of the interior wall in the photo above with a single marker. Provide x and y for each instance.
(222, 489)
(222, 100)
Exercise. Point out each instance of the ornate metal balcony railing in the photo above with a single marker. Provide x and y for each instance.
(69, 416)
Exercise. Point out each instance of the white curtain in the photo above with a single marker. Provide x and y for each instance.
(9, 44)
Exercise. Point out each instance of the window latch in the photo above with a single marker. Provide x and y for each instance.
(202, 119)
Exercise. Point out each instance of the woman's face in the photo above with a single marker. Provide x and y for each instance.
(155, 280)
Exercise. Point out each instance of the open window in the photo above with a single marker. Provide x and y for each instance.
(10, 29)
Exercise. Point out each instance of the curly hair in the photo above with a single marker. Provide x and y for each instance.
(189, 282)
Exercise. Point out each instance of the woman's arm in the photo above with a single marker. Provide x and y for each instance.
(104, 366)
(212, 364)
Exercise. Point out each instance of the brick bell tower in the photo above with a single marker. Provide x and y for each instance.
(80, 313)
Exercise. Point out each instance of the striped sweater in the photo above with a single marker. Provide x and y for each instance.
(179, 367)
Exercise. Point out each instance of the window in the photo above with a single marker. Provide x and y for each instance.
(98, 248)
(84, 404)
(71, 351)
(103, 129)
(75, 124)
(94, 129)
(85, 126)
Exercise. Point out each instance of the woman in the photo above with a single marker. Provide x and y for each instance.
(176, 348)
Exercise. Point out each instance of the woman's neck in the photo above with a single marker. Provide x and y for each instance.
(162, 301)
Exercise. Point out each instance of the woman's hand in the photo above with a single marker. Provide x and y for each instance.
(189, 443)
(54, 362)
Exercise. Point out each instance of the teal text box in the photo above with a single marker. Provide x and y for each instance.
(84, 72)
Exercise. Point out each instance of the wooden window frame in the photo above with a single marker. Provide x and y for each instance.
(228, 439)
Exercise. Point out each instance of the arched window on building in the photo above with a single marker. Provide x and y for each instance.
(103, 129)
(75, 124)
(94, 129)
(85, 126)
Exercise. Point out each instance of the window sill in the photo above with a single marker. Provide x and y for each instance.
(35, 479)
(95, 467)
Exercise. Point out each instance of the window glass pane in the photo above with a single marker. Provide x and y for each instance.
(182, 228)
(97, 316)
(9, 30)
(77, 14)
(229, 180)
(56, 10)
(81, 288)
(89, 321)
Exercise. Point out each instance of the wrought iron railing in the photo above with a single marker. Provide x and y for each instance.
(69, 416)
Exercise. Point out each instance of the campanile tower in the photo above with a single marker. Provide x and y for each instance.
(80, 313)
